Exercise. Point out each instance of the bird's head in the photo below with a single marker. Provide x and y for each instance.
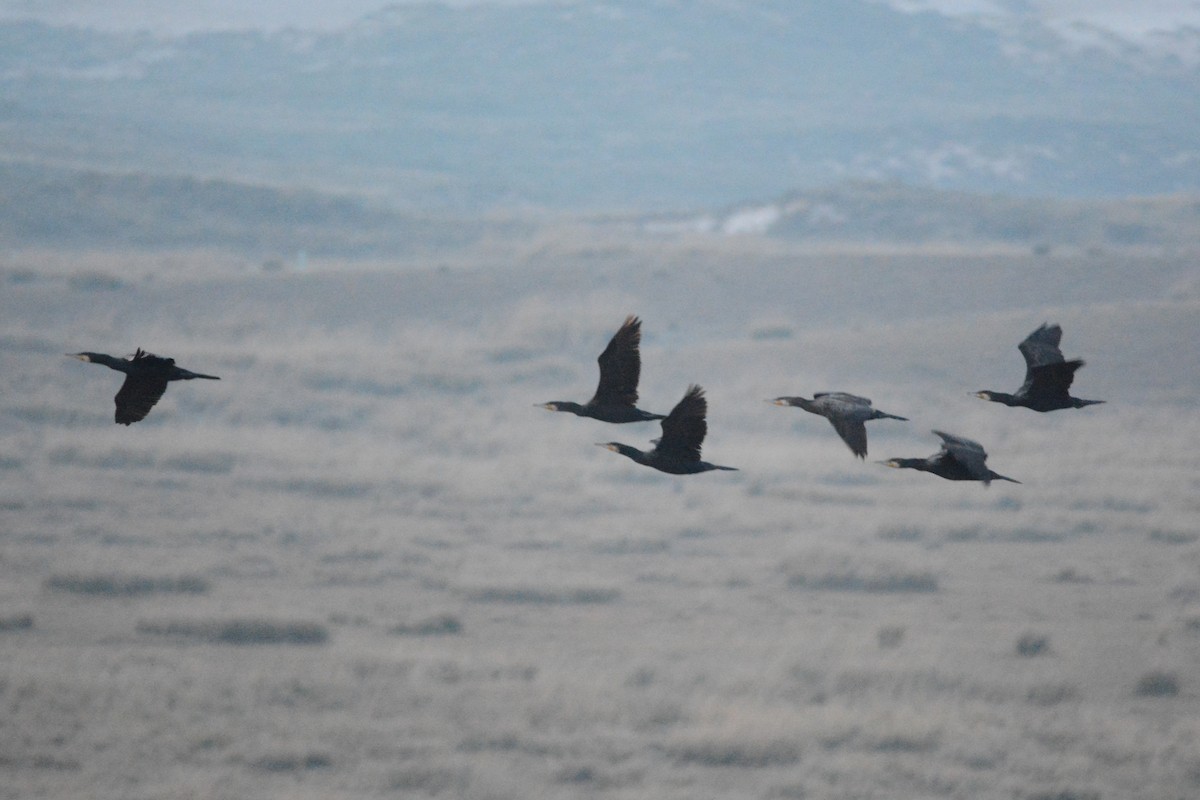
(614, 446)
(89, 357)
(985, 395)
(789, 401)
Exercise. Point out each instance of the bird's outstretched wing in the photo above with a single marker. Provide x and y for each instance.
(620, 366)
(967, 452)
(1041, 346)
(137, 396)
(685, 427)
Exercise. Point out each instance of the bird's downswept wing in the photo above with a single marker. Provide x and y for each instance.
(620, 366)
(137, 396)
(853, 433)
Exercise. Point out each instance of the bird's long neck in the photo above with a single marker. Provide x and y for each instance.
(119, 364)
(1000, 397)
(910, 463)
(566, 405)
(630, 452)
(799, 402)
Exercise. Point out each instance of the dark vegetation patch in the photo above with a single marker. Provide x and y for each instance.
(736, 752)
(1158, 684)
(320, 487)
(1033, 644)
(117, 458)
(1051, 694)
(536, 596)
(111, 585)
(16, 622)
(205, 463)
(871, 578)
(848, 582)
(238, 631)
(1072, 575)
(66, 207)
(900, 533)
(1065, 794)
(1173, 537)
(292, 762)
(441, 625)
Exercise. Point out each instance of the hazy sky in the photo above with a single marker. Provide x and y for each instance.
(1134, 19)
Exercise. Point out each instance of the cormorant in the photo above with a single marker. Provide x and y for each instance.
(1047, 375)
(616, 394)
(146, 378)
(848, 414)
(678, 450)
(960, 459)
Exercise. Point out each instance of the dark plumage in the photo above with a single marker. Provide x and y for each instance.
(146, 378)
(960, 459)
(848, 413)
(1048, 376)
(616, 395)
(683, 431)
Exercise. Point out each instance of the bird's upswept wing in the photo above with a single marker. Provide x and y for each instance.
(685, 427)
(620, 366)
(967, 452)
(1041, 347)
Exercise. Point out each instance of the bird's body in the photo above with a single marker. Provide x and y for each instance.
(678, 450)
(1048, 376)
(616, 394)
(848, 413)
(146, 378)
(960, 459)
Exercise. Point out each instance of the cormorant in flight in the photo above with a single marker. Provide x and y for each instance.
(146, 378)
(678, 450)
(848, 414)
(960, 459)
(616, 395)
(1047, 375)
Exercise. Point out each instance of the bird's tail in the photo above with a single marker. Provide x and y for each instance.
(1081, 403)
(187, 376)
(996, 477)
(885, 415)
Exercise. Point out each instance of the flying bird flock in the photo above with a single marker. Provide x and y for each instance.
(677, 451)
(1048, 378)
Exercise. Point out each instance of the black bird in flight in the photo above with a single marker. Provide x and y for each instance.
(848, 413)
(146, 378)
(616, 395)
(678, 450)
(960, 459)
(1048, 376)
